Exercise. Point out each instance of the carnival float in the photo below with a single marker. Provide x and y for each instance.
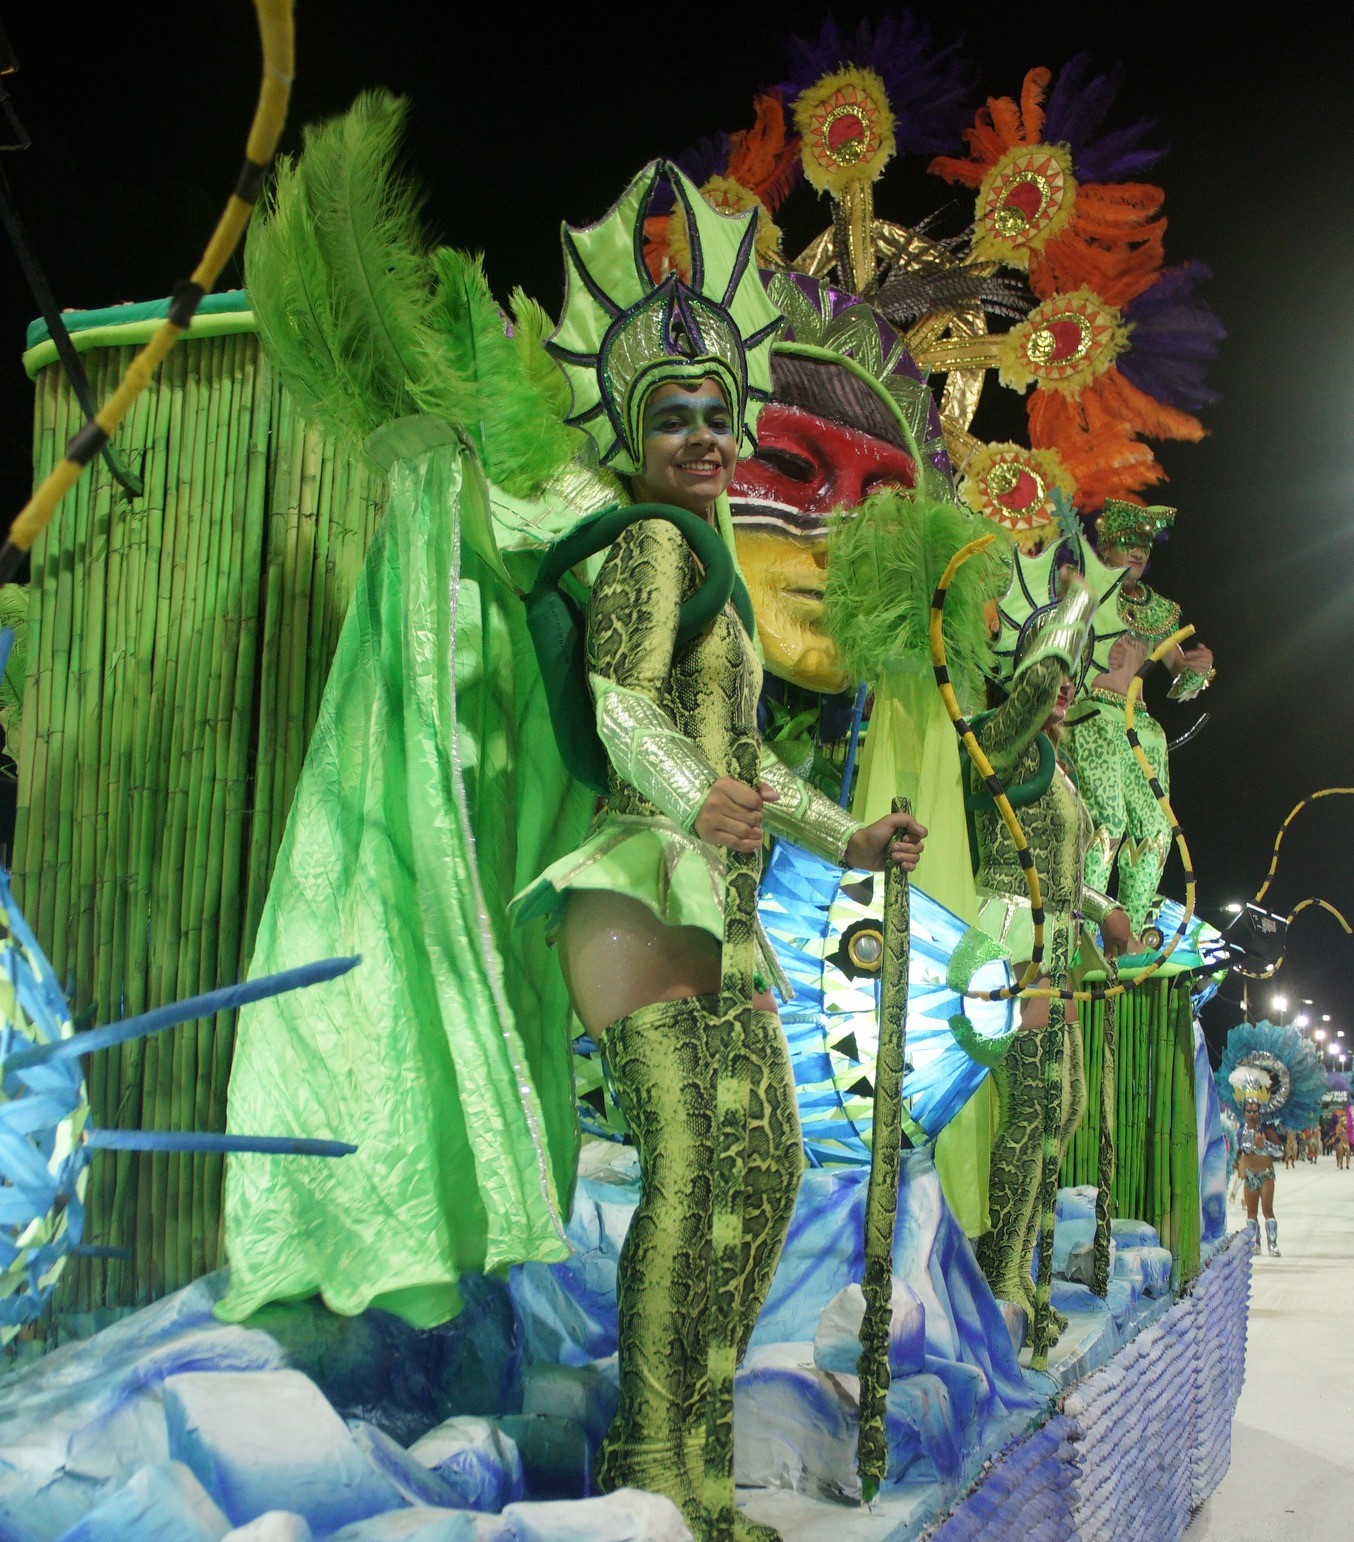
(314, 1189)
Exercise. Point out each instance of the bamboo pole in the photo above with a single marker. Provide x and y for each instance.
(142, 790)
(181, 964)
(235, 945)
(261, 844)
(217, 968)
(161, 850)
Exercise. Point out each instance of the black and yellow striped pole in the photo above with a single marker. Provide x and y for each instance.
(881, 1199)
(276, 33)
(1305, 904)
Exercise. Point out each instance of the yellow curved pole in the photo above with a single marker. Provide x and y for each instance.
(277, 36)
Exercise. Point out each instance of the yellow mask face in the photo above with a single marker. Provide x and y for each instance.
(785, 574)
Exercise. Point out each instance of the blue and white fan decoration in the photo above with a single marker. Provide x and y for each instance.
(826, 927)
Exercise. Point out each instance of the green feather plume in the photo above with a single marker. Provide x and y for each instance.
(366, 323)
(884, 562)
(517, 426)
(532, 325)
(338, 273)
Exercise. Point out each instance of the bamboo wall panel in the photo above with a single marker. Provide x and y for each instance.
(1156, 1176)
(179, 645)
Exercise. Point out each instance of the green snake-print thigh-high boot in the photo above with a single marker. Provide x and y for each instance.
(1013, 1194)
(1072, 1111)
(662, 1067)
(773, 1167)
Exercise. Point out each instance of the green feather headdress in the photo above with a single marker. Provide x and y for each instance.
(622, 334)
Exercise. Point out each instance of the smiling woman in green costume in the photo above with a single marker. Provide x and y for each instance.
(668, 379)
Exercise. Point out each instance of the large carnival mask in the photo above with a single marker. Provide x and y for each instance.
(849, 414)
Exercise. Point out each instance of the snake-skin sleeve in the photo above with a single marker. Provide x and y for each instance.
(650, 752)
(802, 814)
(1009, 731)
(632, 632)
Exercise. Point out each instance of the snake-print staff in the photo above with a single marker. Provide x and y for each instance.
(881, 1200)
(742, 871)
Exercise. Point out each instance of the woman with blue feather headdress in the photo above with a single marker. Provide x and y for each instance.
(1274, 1077)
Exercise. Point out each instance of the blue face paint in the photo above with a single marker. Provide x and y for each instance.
(681, 416)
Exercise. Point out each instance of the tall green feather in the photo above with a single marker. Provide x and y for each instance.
(366, 322)
(884, 561)
(517, 425)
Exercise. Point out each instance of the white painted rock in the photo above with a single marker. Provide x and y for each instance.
(480, 1465)
(795, 1426)
(836, 1345)
(423, 1523)
(415, 1483)
(273, 1526)
(581, 1393)
(628, 1515)
(269, 1440)
(158, 1504)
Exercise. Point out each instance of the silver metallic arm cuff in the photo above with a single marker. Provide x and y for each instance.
(1067, 632)
(803, 815)
(1095, 906)
(648, 751)
(1189, 682)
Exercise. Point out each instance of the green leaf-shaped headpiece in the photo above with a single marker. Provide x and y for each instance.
(622, 334)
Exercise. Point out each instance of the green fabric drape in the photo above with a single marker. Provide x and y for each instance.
(451, 1073)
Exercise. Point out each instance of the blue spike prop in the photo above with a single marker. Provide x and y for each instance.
(227, 999)
(45, 1142)
(203, 1140)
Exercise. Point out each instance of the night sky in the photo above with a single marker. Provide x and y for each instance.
(138, 126)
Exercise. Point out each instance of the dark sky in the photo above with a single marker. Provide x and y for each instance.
(518, 123)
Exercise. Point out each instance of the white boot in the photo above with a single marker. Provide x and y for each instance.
(1271, 1236)
(1253, 1228)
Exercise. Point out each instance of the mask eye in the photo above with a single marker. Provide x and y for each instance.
(786, 463)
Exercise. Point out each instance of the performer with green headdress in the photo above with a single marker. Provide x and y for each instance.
(668, 377)
(1129, 823)
(1041, 1082)
(446, 770)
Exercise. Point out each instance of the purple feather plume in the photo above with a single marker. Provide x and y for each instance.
(1078, 103)
(706, 159)
(930, 89)
(1174, 339)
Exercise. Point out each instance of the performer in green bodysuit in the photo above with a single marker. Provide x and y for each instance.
(668, 378)
(1019, 737)
(1128, 820)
